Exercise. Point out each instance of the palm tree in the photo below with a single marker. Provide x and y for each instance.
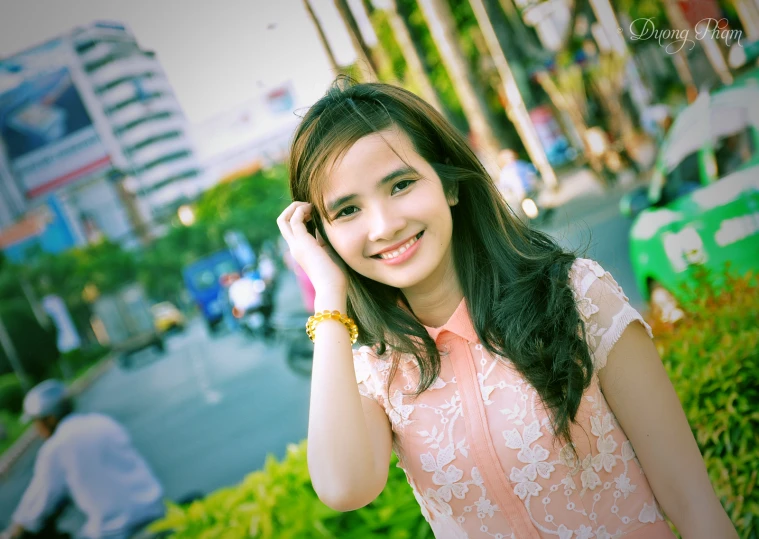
(381, 57)
(440, 21)
(364, 55)
(322, 37)
(410, 53)
(515, 106)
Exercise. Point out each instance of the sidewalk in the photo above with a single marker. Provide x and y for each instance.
(581, 192)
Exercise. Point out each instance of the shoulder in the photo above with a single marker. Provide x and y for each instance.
(603, 307)
(594, 287)
(91, 426)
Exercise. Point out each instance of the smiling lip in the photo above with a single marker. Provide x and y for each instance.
(408, 251)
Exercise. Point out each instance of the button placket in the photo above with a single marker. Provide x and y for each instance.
(483, 449)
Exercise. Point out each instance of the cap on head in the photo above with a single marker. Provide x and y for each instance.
(47, 398)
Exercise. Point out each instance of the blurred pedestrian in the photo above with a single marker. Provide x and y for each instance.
(517, 178)
(267, 269)
(90, 461)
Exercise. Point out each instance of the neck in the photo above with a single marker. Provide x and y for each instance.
(434, 300)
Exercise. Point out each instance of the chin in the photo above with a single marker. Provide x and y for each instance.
(404, 278)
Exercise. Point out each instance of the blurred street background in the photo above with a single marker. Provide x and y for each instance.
(142, 151)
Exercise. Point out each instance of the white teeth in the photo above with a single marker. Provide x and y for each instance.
(400, 250)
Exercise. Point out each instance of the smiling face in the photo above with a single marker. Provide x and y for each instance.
(388, 216)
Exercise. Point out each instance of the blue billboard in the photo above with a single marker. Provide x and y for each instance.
(47, 135)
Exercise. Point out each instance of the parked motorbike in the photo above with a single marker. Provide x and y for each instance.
(252, 304)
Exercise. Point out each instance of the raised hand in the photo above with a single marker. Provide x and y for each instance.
(322, 265)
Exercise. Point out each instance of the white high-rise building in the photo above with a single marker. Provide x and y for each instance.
(142, 112)
(91, 128)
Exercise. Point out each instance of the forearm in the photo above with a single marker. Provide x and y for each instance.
(702, 517)
(340, 458)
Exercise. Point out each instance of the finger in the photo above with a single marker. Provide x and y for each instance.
(283, 221)
(285, 229)
(287, 214)
(297, 221)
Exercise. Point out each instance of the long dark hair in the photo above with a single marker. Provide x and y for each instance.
(515, 279)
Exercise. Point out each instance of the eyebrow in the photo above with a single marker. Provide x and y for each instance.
(335, 204)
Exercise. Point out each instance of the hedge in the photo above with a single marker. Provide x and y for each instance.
(712, 358)
(279, 502)
(11, 393)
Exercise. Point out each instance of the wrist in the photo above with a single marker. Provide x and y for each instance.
(334, 299)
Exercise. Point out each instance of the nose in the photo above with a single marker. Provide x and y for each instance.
(385, 224)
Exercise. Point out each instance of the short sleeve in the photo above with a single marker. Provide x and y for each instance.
(603, 307)
(365, 372)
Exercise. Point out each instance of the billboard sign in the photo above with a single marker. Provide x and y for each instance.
(47, 134)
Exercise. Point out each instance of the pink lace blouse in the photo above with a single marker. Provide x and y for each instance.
(478, 449)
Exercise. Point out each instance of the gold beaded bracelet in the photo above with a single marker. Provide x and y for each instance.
(331, 315)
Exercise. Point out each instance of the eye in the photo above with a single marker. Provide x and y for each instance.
(402, 185)
(346, 212)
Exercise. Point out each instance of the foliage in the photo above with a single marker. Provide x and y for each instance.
(12, 429)
(411, 12)
(36, 347)
(11, 393)
(712, 358)
(279, 502)
(250, 204)
(81, 360)
(397, 68)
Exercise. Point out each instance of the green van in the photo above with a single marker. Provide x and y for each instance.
(702, 205)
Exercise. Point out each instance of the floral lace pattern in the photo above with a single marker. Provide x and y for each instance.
(478, 483)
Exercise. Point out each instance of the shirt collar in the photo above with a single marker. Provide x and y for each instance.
(460, 324)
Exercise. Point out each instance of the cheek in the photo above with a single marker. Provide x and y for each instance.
(346, 242)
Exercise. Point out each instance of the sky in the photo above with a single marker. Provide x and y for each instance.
(217, 55)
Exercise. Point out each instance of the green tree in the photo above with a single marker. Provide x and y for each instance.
(250, 204)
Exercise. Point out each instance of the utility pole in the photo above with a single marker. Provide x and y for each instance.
(515, 107)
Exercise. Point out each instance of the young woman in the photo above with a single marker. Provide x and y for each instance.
(511, 378)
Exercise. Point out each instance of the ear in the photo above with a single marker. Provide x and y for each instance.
(453, 196)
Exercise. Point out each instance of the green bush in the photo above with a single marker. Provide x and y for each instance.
(11, 393)
(81, 360)
(11, 427)
(712, 358)
(279, 502)
(35, 346)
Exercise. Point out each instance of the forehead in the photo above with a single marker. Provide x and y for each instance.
(368, 159)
